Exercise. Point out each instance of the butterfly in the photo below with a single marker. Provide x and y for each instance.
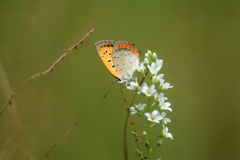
(120, 58)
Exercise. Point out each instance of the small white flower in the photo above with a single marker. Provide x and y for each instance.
(153, 68)
(141, 68)
(165, 120)
(156, 78)
(134, 111)
(164, 105)
(133, 85)
(148, 91)
(164, 86)
(139, 107)
(161, 97)
(159, 63)
(166, 134)
(154, 117)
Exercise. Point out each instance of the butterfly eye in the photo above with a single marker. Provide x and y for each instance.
(119, 80)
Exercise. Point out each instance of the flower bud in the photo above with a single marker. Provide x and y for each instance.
(149, 53)
(159, 143)
(154, 56)
(135, 134)
(136, 107)
(154, 79)
(139, 153)
(144, 134)
(146, 61)
(146, 55)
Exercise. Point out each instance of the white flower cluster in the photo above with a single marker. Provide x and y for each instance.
(153, 86)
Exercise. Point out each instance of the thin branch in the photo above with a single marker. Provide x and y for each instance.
(126, 122)
(45, 72)
(61, 139)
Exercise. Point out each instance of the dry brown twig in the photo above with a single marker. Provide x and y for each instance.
(21, 85)
(59, 140)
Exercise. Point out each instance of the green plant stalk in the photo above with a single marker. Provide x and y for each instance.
(149, 132)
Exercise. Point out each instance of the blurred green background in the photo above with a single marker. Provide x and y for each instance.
(198, 41)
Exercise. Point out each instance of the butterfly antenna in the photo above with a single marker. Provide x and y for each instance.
(109, 88)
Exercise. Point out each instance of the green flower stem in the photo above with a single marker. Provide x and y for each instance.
(145, 76)
(155, 147)
(153, 104)
(159, 136)
(153, 124)
(142, 115)
(149, 132)
(127, 119)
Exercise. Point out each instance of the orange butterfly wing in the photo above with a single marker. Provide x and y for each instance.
(104, 49)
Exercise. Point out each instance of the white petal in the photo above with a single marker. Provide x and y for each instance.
(159, 118)
(167, 85)
(144, 85)
(155, 113)
(159, 62)
(161, 95)
(152, 87)
(166, 108)
(169, 135)
(141, 107)
(160, 76)
(167, 120)
(133, 110)
(163, 114)
(167, 104)
(155, 95)
(147, 114)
